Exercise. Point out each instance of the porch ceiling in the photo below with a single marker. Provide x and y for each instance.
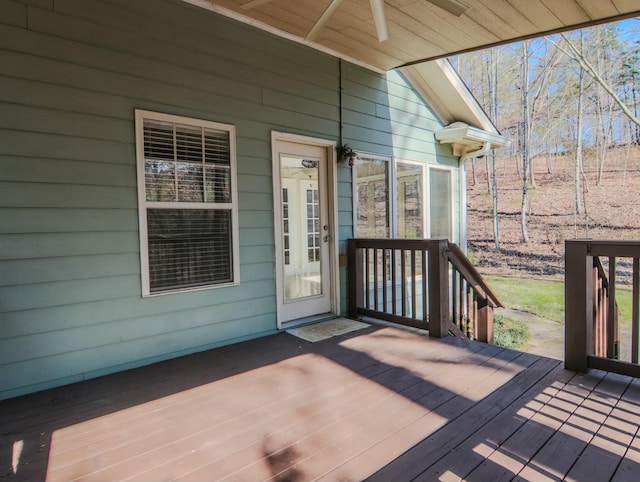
(417, 29)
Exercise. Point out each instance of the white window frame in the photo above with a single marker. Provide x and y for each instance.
(425, 192)
(144, 205)
(393, 192)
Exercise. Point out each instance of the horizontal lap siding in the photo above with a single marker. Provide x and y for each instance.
(72, 74)
(384, 115)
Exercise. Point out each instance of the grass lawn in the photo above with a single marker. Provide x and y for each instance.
(540, 297)
(545, 298)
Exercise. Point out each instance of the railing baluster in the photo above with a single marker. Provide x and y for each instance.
(474, 324)
(463, 303)
(469, 331)
(598, 321)
(425, 280)
(394, 304)
(612, 322)
(454, 290)
(375, 279)
(384, 280)
(634, 310)
(367, 285)
(413, 283)
(403, 281)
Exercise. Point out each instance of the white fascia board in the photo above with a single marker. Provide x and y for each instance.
(443, 90)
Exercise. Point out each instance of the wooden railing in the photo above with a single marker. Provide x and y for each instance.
(422, 283)
(592, 334)
(606, 338)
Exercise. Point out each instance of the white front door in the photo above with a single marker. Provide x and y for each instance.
(303, 230)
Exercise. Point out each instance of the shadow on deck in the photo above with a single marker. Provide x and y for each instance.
(381, 403)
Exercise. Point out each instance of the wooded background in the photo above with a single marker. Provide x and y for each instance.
(564, 97)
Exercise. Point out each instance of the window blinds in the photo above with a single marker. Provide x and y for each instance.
(187, 181)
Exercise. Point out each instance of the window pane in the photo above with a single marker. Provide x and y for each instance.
(440, 204)
(218, 166)
(158, 140)
(410, 201)
(188, 144)
(160, 180)
(190, 187)
(218, 184)
(217, 147)
(189, 248)
(176, 156)
(372, 185)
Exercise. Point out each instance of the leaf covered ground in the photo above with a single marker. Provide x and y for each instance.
(612, 212)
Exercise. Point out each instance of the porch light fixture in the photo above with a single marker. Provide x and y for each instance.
(309, 164)
(346, 154)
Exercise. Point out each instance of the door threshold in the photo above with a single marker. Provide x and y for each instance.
(327, 329)
(309, 320)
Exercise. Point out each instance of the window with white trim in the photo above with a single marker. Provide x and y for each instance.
(187, 203)
(373, 199)
(400, 198)
(440, 204)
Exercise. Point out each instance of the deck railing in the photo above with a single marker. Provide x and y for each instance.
(592, 334)
(422, 283)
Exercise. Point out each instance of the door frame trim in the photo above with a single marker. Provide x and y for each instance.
(332, 190)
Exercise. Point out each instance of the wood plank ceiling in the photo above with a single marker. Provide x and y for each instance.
(417, 30)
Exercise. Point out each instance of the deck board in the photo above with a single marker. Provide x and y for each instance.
(379, 404)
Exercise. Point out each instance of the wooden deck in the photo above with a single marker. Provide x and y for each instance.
(382, 403)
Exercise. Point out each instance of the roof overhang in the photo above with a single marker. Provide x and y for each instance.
(440, 85)
(383, 35)
(469, 128)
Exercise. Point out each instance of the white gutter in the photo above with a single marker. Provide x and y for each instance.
(463, 137)
(483, 151)
(467, 142)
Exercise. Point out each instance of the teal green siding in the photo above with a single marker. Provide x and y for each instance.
(384, 115)
(72, 72)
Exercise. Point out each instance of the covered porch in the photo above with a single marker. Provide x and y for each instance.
(380, 403)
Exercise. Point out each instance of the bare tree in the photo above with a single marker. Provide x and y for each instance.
(492, 80)
(526, 144)
(576, 54)
(578, 207)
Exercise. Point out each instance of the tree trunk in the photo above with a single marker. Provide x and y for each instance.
(578, 207)
(496, 218)
(525, 141)
(493, 83)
